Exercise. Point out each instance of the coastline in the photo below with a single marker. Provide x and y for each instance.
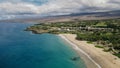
(92, 56)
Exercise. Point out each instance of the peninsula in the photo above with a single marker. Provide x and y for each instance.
(98, 38)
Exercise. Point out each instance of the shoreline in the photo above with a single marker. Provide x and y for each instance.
(92, 56)
(88, 65)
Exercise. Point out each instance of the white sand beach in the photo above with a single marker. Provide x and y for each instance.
(92, 56)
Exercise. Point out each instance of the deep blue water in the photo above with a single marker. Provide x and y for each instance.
(21, 49)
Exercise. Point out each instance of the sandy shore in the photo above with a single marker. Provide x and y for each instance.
(92, 56)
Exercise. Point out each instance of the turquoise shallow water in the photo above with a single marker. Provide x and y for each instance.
(21, 49)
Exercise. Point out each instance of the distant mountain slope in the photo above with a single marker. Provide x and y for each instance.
(79, 16)
(107, 13)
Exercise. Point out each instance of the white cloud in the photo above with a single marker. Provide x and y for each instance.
(59, 7)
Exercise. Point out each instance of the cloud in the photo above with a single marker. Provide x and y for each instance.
(57, 7)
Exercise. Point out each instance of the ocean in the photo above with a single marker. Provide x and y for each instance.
(23, 49)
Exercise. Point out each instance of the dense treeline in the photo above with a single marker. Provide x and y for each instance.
(110, 40)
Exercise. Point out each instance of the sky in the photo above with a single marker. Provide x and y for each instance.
(55, 7)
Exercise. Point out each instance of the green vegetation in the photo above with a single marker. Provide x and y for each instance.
(117, 55)
(98, 46)
(101, 24)
(108, 38)
(89, 42)
(102, 32)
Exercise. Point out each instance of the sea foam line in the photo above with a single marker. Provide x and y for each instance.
(79, 49)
